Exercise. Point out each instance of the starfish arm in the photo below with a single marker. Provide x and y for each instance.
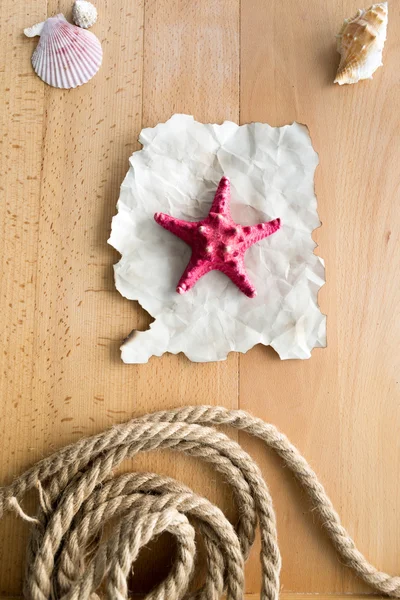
(255, 233)
(222, 198)
(182, 229)
(196, 268)
(236, 271)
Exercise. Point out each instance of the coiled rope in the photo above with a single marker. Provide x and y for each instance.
(68, 559)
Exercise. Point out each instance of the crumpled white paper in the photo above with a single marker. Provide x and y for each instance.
(177, 172)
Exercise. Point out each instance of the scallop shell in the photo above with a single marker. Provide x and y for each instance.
(84, 14)
(360, 43)
(66, 56)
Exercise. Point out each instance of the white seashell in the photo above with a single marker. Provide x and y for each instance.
(84, 14)
(360, 44)
(66, 56)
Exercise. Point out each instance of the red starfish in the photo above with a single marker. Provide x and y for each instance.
(217, 242)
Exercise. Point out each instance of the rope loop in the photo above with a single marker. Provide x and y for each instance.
(69, 558)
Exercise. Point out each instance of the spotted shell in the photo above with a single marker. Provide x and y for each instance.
(66, 56)
(84, 13)
(360, 43)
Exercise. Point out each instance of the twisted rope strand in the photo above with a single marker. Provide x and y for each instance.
(68, 559)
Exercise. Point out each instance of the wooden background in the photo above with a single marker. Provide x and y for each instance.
(63, 157)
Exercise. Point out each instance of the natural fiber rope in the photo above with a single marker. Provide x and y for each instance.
(67, 558)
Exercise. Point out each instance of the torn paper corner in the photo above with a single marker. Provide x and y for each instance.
(177, 172)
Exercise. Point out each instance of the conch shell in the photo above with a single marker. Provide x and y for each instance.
(360, 43)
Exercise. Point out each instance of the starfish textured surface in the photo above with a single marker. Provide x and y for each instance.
(217, 242)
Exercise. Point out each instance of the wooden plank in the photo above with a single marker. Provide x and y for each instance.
(73, 382)
(21, 153)
(191, 65)
(341, 408)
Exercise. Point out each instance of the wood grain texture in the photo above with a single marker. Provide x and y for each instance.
(63, 157)
(341, 408)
